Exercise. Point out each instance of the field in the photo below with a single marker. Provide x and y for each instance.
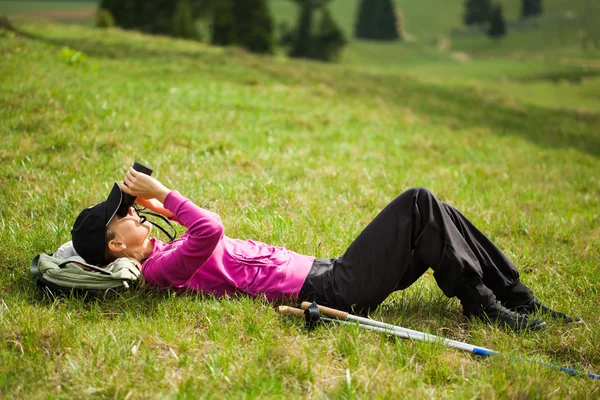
(302, 155)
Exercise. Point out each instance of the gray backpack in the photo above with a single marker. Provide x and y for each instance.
(72, 276)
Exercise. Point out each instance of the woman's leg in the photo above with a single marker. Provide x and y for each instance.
(499, 273)
(412, 233)
(372, 266)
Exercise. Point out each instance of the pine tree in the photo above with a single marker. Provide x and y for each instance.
(323, 42)
(386, 20)
(152, 16)
(376, 20)
(497, 24)
(247, 23)
(254, 25)
(363, 27)
(223, 30)
(183, 21)
(303, 45)
(531, 8)
(329, 39)
(477, 12)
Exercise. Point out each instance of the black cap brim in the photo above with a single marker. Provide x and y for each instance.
(113, 202)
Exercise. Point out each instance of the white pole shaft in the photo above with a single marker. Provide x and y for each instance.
(414, 335)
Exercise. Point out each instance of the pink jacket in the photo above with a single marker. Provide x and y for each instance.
(206, 260)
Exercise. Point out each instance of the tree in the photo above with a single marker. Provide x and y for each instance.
(152, 16)
(497, 24)
(376, 20)
(254, 25)
(183, 21)
(531, 8)
(223, 31)
(247, 23)
(325, 42)
(477, 12)
(329, 39)
(302, 44)
(362, 26)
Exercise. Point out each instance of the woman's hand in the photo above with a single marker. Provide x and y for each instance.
(141, 185)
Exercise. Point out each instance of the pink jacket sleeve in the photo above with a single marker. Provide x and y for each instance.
(204, 231)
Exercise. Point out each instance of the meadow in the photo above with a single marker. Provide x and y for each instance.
(298, 154)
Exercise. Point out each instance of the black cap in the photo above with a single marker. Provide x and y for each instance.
(89, 230)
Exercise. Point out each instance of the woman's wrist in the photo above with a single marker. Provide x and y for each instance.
(162, 194)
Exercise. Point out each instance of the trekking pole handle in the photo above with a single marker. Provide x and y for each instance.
(291, 311)
(330, 312)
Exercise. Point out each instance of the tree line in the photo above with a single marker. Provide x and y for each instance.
(490, 17)
(250, 24)
(245, 23)
(316, 35)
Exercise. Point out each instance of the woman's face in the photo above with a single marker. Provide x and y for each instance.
(132, 232)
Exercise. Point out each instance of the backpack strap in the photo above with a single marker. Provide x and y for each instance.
(81, 261)
(74, 259)
(34, 266)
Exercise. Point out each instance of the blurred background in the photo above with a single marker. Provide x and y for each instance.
(385, 32)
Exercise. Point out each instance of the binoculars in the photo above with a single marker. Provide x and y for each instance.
(128, 200)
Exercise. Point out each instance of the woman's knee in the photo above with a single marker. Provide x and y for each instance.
(412, 200)
(419, 192)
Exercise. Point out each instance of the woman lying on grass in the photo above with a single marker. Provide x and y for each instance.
(413, 233)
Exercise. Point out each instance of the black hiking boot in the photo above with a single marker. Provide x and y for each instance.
(534, 306)
(497, 314)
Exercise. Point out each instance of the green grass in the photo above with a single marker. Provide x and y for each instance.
(302, 155)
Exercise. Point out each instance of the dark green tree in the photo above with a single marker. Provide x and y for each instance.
(531, 8)
(246, 23)
(223, 31)
(302, 44)
(329, 39)
(497, 24)
(151, 16)
(254, 25)
(287, 35)
(477, 12)
(323, 42)
(183, 21)
(363, 28)
(376, 20)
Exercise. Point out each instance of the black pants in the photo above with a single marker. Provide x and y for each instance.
(413, 233)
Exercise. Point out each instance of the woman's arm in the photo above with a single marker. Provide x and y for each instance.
(155, 206)
(205, 230)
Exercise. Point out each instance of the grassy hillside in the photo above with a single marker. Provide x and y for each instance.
(530, 65)
(301, 155)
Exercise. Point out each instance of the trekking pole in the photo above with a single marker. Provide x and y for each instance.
(410, 334)
(395, 331)
(312, 311)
